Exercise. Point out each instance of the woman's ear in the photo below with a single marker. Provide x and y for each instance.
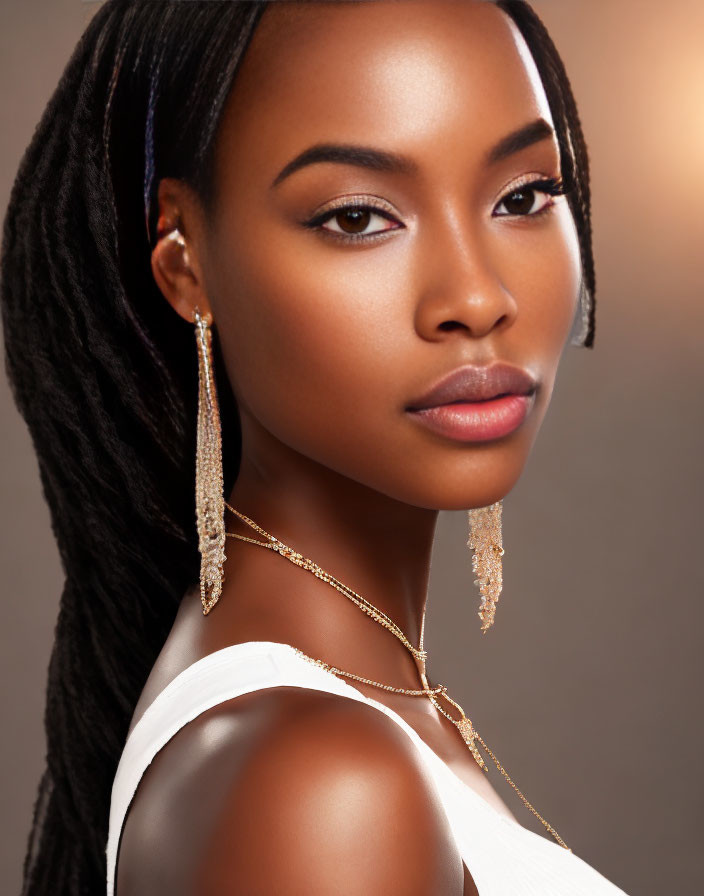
(174, 259)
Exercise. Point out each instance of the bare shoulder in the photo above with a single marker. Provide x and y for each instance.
(286, 791)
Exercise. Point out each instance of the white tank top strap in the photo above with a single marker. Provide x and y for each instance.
(504, 858)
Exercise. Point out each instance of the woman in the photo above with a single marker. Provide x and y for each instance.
(379, 214)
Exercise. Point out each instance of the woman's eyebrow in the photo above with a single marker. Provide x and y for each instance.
(391, 162)
(525, 136)
(349, 154)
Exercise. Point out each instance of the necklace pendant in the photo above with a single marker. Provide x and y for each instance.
(468, 735)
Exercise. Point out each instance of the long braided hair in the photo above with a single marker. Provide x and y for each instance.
(105, 374)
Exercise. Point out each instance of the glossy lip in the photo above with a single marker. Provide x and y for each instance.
(477, 404)
(473, 383)
(477, 421)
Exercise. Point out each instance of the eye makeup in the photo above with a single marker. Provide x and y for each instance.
(550, 186)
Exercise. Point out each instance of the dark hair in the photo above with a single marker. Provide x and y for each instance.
(105, 374)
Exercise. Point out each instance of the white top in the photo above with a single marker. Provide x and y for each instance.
(504, 858)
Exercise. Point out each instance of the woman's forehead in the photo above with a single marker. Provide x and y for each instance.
(381, 69)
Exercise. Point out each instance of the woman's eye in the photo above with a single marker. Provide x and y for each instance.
(530, 199)
(351, 221)
(355, 221)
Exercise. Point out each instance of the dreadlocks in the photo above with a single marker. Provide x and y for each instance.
(105, 374)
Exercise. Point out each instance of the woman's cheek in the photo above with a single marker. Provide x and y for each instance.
(564, 276)
(295, 357)
(543, 272)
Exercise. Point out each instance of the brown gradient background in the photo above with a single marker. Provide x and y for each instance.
(588, 687)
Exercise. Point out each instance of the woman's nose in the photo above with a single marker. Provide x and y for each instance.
(461, 290)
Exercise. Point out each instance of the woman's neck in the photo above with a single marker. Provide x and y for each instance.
(375, 545)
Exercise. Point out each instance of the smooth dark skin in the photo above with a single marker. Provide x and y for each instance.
(291, 791)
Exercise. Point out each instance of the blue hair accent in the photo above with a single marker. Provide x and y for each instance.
(149, 165)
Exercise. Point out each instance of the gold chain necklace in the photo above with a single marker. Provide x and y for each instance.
(469, 733)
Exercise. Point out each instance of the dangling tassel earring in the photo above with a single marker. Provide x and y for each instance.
(210, 510)
(486, 543)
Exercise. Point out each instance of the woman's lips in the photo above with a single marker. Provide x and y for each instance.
(477, 421)
(477, 403)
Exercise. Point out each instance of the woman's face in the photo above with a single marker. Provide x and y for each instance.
(334, 321)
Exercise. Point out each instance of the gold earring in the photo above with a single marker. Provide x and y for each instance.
(210, 510)
(580, 323)
(485, 540)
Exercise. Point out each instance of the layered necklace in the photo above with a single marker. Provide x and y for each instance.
(464, 725)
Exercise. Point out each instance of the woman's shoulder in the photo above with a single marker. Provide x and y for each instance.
(288, 790)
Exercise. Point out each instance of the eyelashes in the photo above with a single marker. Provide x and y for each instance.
(361, 212)
(550, 186)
